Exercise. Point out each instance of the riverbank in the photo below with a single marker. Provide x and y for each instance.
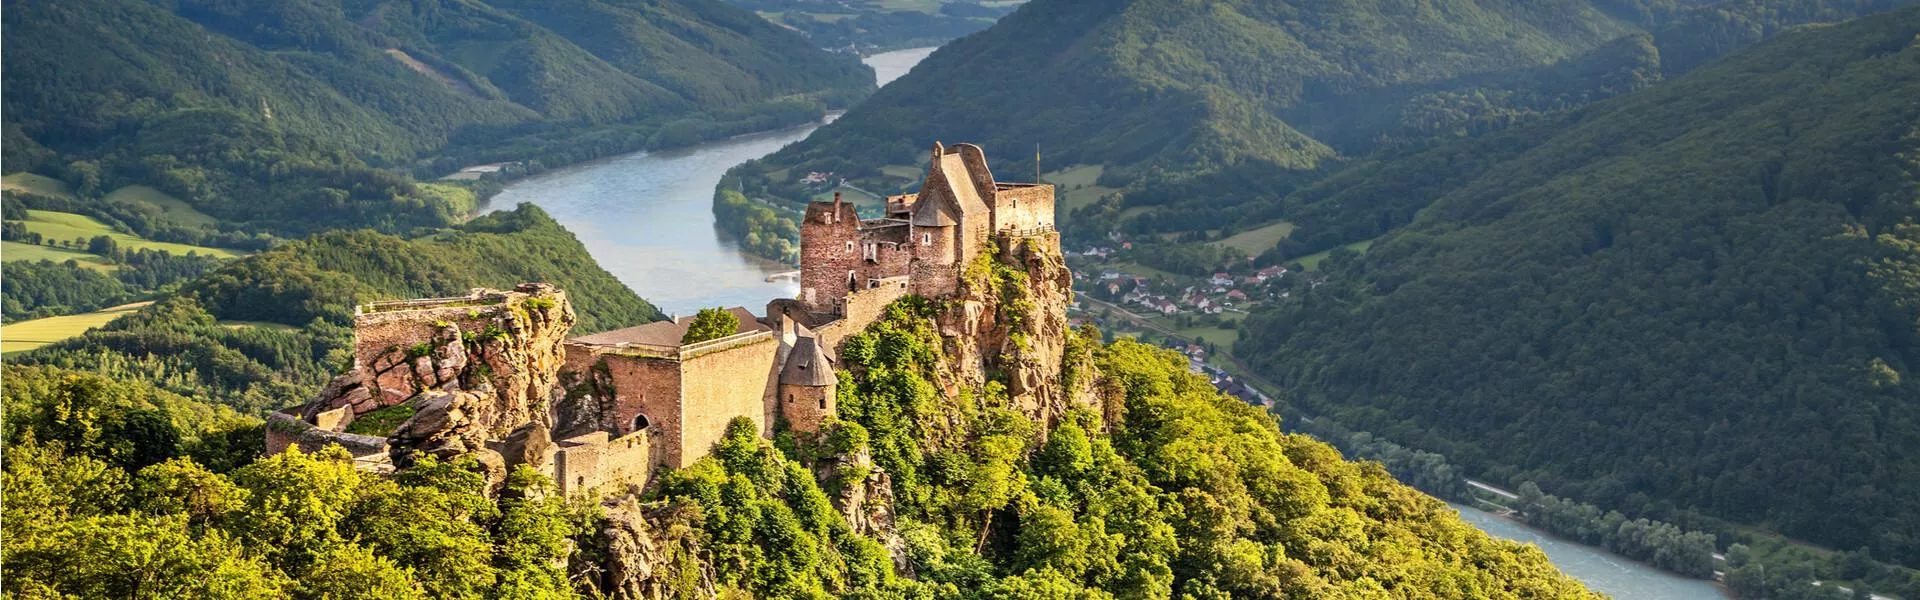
(1598, 569)
(647, 216)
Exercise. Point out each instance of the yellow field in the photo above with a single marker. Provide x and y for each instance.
(174, 209)
(30, 183)
(27, 335)
(12, 251)
(1252, 242)
(925, 6)
(67, 226)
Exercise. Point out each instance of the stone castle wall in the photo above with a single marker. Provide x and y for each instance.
(717, 386)
(596, 460)
(382, 341)
(863, 308)
(1023, 208)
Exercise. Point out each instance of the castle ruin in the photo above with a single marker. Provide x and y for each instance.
(494, 374)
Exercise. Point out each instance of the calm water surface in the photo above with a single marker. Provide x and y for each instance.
(647, 217)
(1603, 572)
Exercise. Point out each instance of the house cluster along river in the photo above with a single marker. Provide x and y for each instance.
(647, 217)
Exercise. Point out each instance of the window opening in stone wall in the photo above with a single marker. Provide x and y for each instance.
(926, 238)
(640, 422)
(823, 403)
(853, 283)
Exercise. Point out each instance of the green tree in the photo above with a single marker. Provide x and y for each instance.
(711, 324)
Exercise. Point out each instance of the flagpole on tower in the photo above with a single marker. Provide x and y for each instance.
(1036, 162)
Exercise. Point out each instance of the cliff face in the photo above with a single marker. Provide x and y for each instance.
(1010, 323)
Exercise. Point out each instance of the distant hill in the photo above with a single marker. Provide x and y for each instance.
(1699, 298)
(267, 330)
(870, 26)
(243, 108)
(1256, 99)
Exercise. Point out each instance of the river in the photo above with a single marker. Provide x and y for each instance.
(647, 217)
(1605, 573)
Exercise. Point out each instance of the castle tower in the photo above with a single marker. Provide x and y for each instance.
(829, 254)
(807, 386)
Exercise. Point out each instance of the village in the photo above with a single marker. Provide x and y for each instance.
(1196, 316)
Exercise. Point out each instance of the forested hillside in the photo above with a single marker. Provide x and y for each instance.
(266, 331)
(1699, 298)
(1209, 113)
(282, 115)
(1184, 493)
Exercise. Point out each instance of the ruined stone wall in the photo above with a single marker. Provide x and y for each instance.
(829, 249)
(1023, 208)
(385, 346)
(516, 336)
(720, 384)
(936, 261)
(884, 259)
(975, 161)
(863, 308)
(285, 430)
(595, 461)
(648, 386)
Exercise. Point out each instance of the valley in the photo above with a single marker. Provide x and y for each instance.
(1452, 299)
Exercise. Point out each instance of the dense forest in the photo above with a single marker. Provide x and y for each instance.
(267, 330)
(290, 117)
(1696, 300)
(126, 490)
(1211, 114)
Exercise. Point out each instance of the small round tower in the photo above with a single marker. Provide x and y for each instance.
(807, 386)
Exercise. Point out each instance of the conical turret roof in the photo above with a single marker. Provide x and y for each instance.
(807, 365)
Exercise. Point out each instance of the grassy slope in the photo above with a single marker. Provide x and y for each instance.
(175, 210)
(19, 251)
(67, 226)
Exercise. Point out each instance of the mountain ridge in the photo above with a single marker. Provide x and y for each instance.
(1718, 260)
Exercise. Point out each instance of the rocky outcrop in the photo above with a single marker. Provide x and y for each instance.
(444, 424)
(1011, 320)
(522, 356)
(646, 552)
(866, 502)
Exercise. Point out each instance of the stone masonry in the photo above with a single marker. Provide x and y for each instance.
(492, 374)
